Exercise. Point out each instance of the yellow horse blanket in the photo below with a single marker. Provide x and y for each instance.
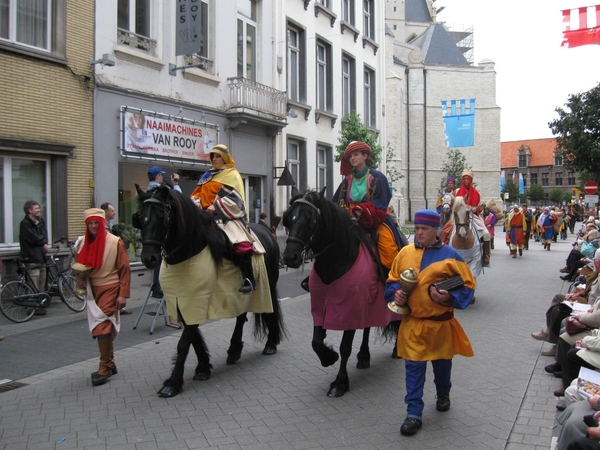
(197, 290)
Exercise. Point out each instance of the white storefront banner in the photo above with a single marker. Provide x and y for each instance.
(166, 137)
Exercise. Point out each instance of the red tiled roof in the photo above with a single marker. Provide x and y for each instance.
(542, 152)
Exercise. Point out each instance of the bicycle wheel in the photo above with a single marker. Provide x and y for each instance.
(66, 290)
(9, 308)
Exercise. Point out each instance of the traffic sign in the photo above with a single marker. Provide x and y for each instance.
(591, 187)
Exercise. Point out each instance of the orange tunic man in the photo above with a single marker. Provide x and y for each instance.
(516, 224)
(107, 287)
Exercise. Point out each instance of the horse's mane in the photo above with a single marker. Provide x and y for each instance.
(459, 203)
(190, 228)
(340, 231)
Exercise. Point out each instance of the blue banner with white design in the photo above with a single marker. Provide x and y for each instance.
(459, 123)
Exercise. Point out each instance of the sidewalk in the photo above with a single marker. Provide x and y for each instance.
(501, 398)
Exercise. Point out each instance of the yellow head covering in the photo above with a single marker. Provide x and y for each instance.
(223, 152)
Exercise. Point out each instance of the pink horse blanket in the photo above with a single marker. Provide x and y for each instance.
(352, 302)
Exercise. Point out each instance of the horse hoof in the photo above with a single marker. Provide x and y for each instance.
(363, 364)
(269, 350)
(330, 361)
(168, 391)
(202, 376)
(232, 358)
(337, 392)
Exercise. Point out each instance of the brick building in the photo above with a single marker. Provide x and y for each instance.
(539, 163)
(46, 128)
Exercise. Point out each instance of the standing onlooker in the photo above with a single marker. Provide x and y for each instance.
(110, 213)
(155, 178)
(33, 239)
(175, 181)
(430, 332)
(107, 287)
(263, 220)
(528, 224)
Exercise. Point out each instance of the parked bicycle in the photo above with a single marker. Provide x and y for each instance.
(20, 297)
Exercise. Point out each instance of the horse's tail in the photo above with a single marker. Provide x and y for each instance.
(270, 325)
(389, 333)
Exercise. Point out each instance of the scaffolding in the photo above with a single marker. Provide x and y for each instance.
(463, 38)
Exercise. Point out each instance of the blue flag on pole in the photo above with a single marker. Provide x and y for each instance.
(521, 184)
(502, 181)
(459, 126)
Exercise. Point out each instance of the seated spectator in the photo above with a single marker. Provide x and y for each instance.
(566, 341)
(559, 311)
(573, 428)
(578, 258)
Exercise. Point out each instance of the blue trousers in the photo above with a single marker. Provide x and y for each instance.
(415, 380)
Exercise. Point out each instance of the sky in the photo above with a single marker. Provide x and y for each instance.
(535, 75)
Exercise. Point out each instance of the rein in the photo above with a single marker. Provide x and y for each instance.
(166, 209)
(307, 245)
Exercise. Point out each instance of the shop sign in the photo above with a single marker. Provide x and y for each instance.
(162, 136)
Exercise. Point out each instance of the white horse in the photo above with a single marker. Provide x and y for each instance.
(465, 238)
(447, 201)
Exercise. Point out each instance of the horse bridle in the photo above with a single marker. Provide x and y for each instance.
(166, 209)
(466, 225)
(306, 245)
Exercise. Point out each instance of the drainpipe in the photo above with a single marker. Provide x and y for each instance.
(425, 136)
(406, 71)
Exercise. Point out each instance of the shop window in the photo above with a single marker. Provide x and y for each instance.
(33, 26)
(22, 179)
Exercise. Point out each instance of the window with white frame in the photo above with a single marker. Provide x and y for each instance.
(21, 179)
(134, 16)
(324, 80)
(293, 160)
(571, 178)
(545, 179)
(348, 85)
(326, 3)
(296, 63)
(246, 36)
(37, 26)
(321, 167)
(368, 19)
(369, 97)
(348, 11)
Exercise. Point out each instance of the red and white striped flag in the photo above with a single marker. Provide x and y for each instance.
(581, 26)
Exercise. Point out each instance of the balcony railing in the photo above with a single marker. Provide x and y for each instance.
(244, 93)
(126, 37)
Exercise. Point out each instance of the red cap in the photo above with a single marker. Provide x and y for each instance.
(345, 166)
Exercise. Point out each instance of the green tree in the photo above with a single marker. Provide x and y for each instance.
(512, 189)
(354, 129)
(577, 132)
(392, 172)
(556, 196)
(536, 193)
(455, 163)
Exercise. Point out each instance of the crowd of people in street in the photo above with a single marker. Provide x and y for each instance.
(572, 325)
(430, 332)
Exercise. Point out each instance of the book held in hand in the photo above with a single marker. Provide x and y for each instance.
(589, 382)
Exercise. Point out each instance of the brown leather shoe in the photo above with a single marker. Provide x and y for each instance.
(560, 392)
(564, 270)
(539, 335)
(40, 312)
(550, 352)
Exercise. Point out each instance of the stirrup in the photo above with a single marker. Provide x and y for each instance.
(247, 287)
